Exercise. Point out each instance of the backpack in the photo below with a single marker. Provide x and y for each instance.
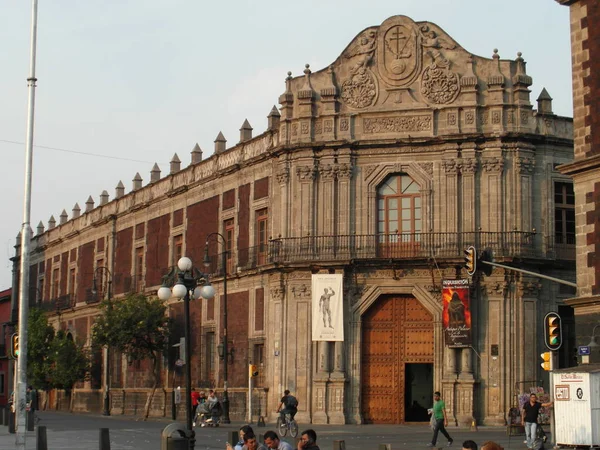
(292, 401)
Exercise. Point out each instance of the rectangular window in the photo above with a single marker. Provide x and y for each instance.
(177, 248)
(564, 213)
(262, 222)
(55, 283)
(72, 284)
(139, 269)
(2, 392)
(229, 233)
(259, 361)
(40, 290)
(210, 357)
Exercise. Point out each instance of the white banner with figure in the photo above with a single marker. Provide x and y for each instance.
(328, 307)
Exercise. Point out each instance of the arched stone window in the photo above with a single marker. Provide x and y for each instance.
(399, 217)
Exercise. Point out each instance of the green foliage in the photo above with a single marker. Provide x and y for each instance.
(39, 338)
(68, 363)
(136, 325)
(53, 359)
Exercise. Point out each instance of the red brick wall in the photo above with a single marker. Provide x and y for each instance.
(237, 321)
(229, 199)
(157, 249)
(177, 217)
(243, 224)
(202, 219)
(48, 279)
(33, 273)
(140, 228)
(259, 309)
(261, 188)
(123, 248)
(592, 81)
(85, 270)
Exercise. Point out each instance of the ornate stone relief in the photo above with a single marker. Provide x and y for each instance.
(399, 51)
(492, 164)
(524, 164)
(344, 171)
(327, 171)
(318, 127)
(530, 289)
(378, 125)
(360, 90)
(277, 292)
(369, 170)
(302, 291)
(344, 124)
(469, 165)
(427, 167)
(328, 125)
(306, 173)
(439, 84)
(450, 166)
(283, 176)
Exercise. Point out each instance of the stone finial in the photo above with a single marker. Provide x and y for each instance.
(137, 182)
(246, 131)
(175, 164)
(103, 198)
(89, 204)
(196, 154)
(273, 118)
(155, 173)
(287, 99)
(496, 78)
(330, 90)
(521, 76)
(18, 243)
(544, 102)
(119, 190)
(76, 211)
(307, 91)
(40, 228)
(220, 143)
(51, 222)
(63, 217)
(469, 79)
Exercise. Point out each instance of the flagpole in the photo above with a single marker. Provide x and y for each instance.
(20, 397)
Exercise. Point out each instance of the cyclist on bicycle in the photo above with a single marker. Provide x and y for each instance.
(287, 405)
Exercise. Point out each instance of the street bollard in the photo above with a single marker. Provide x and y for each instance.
(175, 437)
(385, 447)
(41, 439)
(234, 437)
(339, 445)
(29, 421)
(104, 439)
(5, 412)
(11, 422)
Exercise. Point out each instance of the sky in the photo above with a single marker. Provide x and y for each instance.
(124, 84)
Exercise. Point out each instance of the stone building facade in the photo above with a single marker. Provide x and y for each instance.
(381, 167)
(585, 169)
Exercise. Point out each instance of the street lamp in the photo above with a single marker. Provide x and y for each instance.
(225, 418)
(593, 338)
(191, 284)
(105, 284)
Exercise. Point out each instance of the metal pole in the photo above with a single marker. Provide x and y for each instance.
(539, 275)
(188, 369)
(225, 418)
(25, 241)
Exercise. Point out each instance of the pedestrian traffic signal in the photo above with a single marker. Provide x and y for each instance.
(252, 371)
(547, 358)
(552, 331)
(471, 260)
(14, 345)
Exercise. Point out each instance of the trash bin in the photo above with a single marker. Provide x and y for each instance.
(174, 437)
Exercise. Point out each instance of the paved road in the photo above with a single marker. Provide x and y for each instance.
(81, 432)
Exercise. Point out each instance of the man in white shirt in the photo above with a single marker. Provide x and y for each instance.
(272, 441)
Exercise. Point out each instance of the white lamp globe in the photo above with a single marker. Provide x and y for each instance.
(184, 264)
(164, 293)
(179, 290)
(197, 292)
(207, 292)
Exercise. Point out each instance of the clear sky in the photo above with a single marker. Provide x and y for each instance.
(137, 81)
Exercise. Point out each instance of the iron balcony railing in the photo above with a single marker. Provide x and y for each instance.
(397, 246)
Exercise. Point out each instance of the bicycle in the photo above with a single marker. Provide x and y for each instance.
(289, 424)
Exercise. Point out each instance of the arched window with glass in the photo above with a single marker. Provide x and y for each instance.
(399, 219)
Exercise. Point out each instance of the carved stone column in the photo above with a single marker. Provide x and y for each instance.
(320, 383)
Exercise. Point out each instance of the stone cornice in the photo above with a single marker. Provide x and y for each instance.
(580, 165)
(578, 302)
(566, 2)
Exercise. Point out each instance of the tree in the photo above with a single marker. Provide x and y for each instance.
(137, 326)
(68, 362)
(39, 338)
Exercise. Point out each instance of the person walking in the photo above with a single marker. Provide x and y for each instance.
(531, 410)
(440, 420)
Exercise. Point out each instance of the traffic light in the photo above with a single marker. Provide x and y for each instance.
(552, 331)
(471, 260)
(547, 358)
(14, 345)
(252, 371)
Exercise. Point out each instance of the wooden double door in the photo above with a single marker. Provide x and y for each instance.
(397, 360)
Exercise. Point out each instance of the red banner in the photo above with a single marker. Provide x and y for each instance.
(456, 317)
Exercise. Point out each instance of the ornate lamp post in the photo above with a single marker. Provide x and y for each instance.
(191, 284)
(225, 353)
(105, 284)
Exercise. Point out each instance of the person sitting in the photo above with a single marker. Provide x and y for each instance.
(308, 440)
(273, 442)
(469, 445)
(240, 444)
(250, 442)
